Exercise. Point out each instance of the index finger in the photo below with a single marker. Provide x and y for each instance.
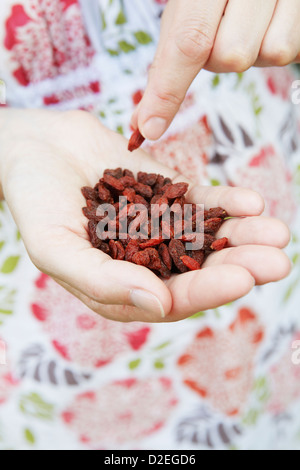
(188, 33)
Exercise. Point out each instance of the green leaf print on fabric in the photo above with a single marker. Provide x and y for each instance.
(143, 38)
(261, 389)
(121, 18)
(2, 245)
(7, 298)
(126, 46)
(216, 81)
(10, 264)
(34, 405)
(113, 52)
(134, 364)
(251, 417)
(29, 436)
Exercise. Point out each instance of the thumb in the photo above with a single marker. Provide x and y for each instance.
(187, 38)
(95, 275)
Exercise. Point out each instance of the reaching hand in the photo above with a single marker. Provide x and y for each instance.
(47, 157)
(218, 35)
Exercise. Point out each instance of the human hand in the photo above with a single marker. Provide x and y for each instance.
(47, 157)
(220, 36)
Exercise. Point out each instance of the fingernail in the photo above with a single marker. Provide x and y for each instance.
(146, 301)
(154, 128)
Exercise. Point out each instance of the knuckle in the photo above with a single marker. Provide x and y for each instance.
(278, 53)
(168, 98)
(237, 60)
(195, 42)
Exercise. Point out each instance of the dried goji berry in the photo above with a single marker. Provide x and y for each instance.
(151, 243)
(132, 248)
(117, 173)
(212, 225)
(143, 190)
(176, 190)
(177, 250)
(198, 255)
(89, 193)
(147, 178)
(164, 251)
(219, 244)
(141, 258)
(113, 182)
(165, 256)
(135, 141)
(104, 193)
(215, 213)
(190, 263)
(130, 194)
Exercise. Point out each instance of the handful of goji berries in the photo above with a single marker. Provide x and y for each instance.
(143, 220)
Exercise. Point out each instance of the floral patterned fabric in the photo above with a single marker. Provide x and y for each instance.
(223, 379)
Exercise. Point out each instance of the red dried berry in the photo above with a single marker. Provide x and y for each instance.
(130, 194)
(133, 241)
(136, 140)
(176, 190)
(198, 255)
(89, 193)
(104, 193)
(212, 225)
(165, 256)
(190, 263)
(151, 243)
(92, 230)
(215, 213)
(220, 244)
(149, 179)
(177, 250)
(117, 173)
(113, 182)
(141, 258)
(143, 190)
(127, 181)
(133, 247)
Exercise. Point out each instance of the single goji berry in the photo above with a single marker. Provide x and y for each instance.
(135, 141)
(143, 190)
(117, 173)
(177, 250)
(149, 179)
(177, 190)
(190, 263)
(215, 213)
(219, 244)
(212, 225)
(165, 256)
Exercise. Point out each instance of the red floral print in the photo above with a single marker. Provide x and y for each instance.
(218, 365)
(285, 382)
(78, 334)
(123, 411)
(186, 151)
(46, 40)
(267, 174)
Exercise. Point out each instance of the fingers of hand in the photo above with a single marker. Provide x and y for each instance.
(240, 35)
(255, 231)
(72, 261)
(236, 201)
(281, 45)
(264, 263)
(209, 288)
(187, 38)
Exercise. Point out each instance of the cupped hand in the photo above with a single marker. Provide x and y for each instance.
(47, 157)
(220, 36)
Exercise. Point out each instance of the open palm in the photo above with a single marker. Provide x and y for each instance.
(49, 156)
